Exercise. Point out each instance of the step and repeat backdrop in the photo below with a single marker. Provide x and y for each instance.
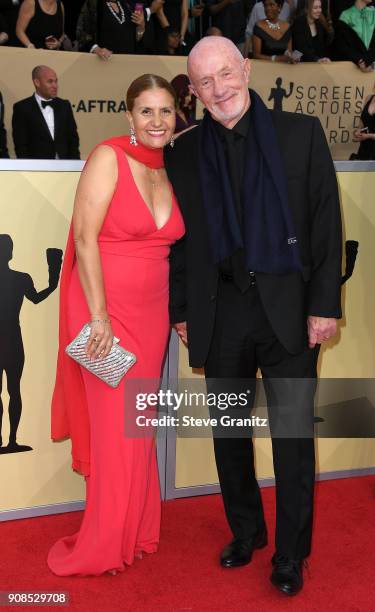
(96, 89)
(350, 355)
(35, 210)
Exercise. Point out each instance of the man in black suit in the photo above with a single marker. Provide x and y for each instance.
(43, 125)
(255, 283)
(3, 134)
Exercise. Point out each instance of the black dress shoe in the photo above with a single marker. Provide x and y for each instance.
(287, 574)
(239, 552)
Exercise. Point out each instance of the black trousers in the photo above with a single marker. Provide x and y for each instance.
(242, 342)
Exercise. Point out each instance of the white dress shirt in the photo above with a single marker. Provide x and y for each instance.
(48, 114)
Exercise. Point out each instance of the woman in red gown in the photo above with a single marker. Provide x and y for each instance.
(116, 276)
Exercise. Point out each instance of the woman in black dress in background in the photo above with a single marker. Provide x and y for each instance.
(311, 35)
(40, 24)
(272, 38)
(117, 28)
(366, 149)
(107, 27)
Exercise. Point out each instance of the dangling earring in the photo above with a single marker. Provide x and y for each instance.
(171, 142)
(133, 140)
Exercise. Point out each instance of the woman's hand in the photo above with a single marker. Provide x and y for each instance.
(139, 19)
(362, 66)
(53, 43)
(100, 341)
(102, 52)
(360, 136)
(324, 60)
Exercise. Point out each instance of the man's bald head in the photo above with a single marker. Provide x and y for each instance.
(211, 47)
(219, 78)
(40, 70)
(45, 81)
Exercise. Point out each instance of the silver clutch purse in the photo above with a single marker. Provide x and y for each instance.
(110, 369)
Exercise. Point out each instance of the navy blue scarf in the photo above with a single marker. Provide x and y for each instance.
(268, 235)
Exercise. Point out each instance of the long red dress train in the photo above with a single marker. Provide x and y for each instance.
(122, 515)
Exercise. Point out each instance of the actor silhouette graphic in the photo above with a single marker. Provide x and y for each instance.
(14, 287)
(278, 94)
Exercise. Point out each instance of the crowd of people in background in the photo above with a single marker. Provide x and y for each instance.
(43, 125)
(290, 31)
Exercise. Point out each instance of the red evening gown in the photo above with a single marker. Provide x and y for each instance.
(122, 515)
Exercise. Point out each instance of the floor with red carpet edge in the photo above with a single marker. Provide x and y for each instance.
(185, 576)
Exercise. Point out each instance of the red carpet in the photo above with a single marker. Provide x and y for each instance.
(184, 576)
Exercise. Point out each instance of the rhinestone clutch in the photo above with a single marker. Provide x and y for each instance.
(110, 369)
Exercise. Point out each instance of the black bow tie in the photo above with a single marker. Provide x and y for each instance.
(48, 103)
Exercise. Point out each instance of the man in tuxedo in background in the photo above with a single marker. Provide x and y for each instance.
(3, 134)
(255, 283)
(43, 125)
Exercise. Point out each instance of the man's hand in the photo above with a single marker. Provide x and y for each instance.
(182, 331)
(320, 329)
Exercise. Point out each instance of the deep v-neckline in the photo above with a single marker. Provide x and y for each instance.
(271, 37)
(158, 229)
(46, 13)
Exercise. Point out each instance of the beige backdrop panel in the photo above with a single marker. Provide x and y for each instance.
(36, 209)
(35, 212)
(351, 355)
(333, 92)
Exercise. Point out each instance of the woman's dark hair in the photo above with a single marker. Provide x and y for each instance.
(180, 84)
(144, 83)
(278, 2)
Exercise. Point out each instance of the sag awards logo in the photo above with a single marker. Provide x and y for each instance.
(99, 106)
(338, 107)
(15, 287)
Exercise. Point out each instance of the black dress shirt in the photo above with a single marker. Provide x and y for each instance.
(235, 144)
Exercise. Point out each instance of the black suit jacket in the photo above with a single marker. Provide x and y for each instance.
(3, 134)
(287, 299)
(312, 49)
(348, 46)
(32, 138)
